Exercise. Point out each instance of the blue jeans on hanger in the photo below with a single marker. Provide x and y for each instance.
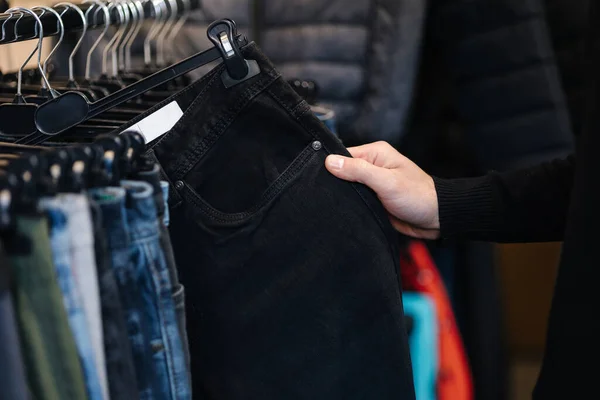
(61, 256)
(132, 285)
(168, 356)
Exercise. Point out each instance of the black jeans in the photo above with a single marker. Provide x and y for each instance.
(291, 274)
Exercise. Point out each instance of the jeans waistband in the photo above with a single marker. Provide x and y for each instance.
(77, 217)
(111, 201)
(210, 108)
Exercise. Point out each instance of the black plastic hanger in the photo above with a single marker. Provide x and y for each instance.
(74, 108)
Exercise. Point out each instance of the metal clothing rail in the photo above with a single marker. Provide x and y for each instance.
(26, 24)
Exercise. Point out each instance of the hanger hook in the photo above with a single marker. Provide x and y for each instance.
(61, 28)
(38, 48)
(15, 31)
(104, 8)
(68, 5)
(141, 17)
(156, 25)
(135, 23)
(160, 42)
(112, 41)
(187, 8)
(10, 15)
(119, 49)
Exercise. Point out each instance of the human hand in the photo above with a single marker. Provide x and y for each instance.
(406, 191)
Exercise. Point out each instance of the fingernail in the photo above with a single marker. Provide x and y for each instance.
(335, 162)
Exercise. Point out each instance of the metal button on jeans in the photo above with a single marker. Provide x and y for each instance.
(316, 145)
(179, 185)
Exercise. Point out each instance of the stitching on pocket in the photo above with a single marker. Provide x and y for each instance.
(271, 193)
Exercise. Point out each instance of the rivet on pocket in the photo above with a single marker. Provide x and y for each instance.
(316, 145)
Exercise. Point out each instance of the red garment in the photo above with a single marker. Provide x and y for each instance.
(420, 274)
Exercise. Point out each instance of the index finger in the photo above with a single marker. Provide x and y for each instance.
(378, 153)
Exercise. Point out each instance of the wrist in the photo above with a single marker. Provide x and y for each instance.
(464, 206)
(435, 219)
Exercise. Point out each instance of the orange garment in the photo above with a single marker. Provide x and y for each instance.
(420, 274)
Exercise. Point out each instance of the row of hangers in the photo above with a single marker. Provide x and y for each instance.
(127, 18)
(56, 136)
(100, 105)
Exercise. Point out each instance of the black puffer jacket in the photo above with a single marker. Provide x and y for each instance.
(507, 82)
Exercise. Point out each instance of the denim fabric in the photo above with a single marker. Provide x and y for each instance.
(120, 369)
(132, 284)
(178, 288)
(83, 264)
(12, 377)
(327, 117)
(170, 367)
(161, 198)
(60, 243)
(291, 274)
(164, 186)
(49, 350)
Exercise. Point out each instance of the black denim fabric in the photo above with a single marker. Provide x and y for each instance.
(120, 369)
(291, 274)
(152, 177)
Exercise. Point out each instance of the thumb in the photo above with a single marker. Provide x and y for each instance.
(358, 170)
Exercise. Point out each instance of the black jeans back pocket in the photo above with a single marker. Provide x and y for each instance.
(266, 197)
(249, 162)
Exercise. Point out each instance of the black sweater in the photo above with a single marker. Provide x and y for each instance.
(528, 205)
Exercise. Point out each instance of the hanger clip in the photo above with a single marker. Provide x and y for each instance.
(223, 34)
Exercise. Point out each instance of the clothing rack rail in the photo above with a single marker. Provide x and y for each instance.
(26, 23)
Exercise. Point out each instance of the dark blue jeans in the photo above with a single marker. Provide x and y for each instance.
(120, 369)
(169, 361)
(161, 197)
(133, 285)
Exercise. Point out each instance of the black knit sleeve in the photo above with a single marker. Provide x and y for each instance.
(528, 205)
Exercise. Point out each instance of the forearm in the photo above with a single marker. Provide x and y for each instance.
(528, 205)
